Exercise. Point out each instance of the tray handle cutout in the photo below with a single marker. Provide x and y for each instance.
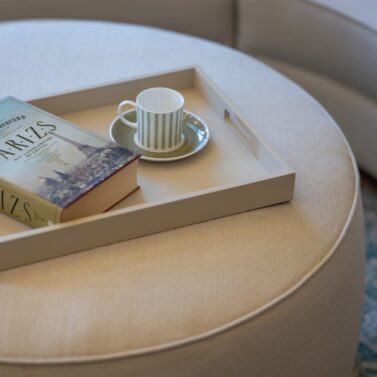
(241, 130)
(264, 154)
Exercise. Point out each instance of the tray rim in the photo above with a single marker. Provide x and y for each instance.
(194, 67)
(287, 171)
(133, 208)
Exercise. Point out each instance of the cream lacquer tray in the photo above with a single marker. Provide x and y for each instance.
(235, 172)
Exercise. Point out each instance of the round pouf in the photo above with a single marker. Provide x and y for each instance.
(270, 292)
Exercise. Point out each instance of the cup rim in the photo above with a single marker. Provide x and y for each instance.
(178, 94)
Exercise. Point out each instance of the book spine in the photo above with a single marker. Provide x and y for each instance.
(27, 207)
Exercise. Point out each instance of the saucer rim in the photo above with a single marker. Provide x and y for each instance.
(162, 159)
(172, 150)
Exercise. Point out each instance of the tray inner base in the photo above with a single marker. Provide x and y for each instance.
(224, 160)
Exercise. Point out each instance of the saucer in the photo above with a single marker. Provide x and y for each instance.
(194, 131)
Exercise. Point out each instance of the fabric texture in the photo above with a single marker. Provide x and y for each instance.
(363, 12)
(356, 113)
(313, 37)
(212, 19)
(330, 48)
(209, 299)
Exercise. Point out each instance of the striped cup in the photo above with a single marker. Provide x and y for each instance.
(160, 117)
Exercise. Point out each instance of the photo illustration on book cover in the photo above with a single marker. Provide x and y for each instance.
(86, 173)
(46, 156)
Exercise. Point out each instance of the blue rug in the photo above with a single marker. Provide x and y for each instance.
(367, 349)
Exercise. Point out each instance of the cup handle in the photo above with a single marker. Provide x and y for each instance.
(121, 113)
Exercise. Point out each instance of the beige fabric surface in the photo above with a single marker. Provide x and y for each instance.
(330, 48)
(179, 286)
(309, 334)
(364, 11)
(356, 113)
(212, 19)
(324, 36)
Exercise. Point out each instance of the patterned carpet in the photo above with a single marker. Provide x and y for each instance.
(367, 349)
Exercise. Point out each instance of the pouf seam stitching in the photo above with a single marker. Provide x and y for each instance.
(230, 325)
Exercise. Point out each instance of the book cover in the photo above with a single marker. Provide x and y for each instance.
(47, 166)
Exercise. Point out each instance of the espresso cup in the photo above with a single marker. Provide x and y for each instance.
(159, 119)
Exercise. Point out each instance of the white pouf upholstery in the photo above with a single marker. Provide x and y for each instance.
(271, 292)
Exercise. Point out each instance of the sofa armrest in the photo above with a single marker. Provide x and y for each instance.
(322, 36)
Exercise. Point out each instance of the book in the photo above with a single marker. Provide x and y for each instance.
(52, 171)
